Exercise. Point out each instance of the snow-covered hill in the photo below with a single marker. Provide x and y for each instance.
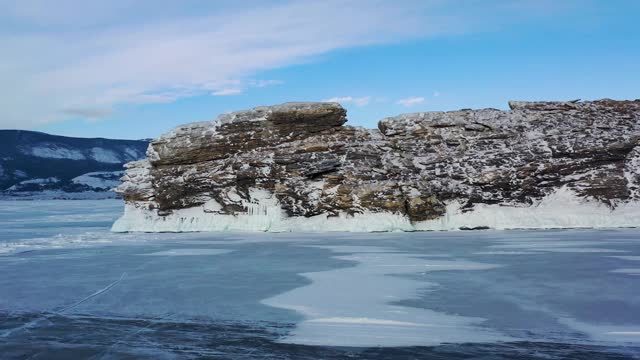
(36, 165)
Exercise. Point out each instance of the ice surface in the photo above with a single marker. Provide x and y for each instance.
(353, 306)
(559, 210)
(534, 246)
(351, 289)
(630, 258)
(506, 253)
(189, 252)
(605, 332)
(627, 271)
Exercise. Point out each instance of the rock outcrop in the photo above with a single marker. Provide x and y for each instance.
(297, 163)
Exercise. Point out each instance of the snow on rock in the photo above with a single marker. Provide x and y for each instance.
(132, 154)
(103, 180)
(40, 181)
(296, 167)
(137, 180)
(57, 151)
(37, 182)
(562, 209)
(105, 156)
(53, 151)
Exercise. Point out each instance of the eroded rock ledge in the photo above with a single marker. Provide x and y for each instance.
(299, 161)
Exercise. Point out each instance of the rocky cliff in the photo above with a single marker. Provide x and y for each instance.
(296, 166)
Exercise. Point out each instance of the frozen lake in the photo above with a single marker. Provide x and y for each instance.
(72, 289)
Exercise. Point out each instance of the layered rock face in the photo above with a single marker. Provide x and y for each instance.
(296, 164)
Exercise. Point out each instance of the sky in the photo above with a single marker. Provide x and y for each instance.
(135, 69)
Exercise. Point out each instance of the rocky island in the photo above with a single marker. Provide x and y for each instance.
(297, 167)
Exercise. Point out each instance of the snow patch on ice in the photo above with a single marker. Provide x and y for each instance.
(506, 253)
(59, 241)
(350, 306)
(605, 333)
(635, 272)
(366, 321)
(629, 258)
(553, 246)
(358, 249)
(189, 252)
(578, 250)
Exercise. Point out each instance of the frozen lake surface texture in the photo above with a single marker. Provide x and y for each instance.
(71, 289)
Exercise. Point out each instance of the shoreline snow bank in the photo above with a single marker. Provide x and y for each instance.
(562, 209)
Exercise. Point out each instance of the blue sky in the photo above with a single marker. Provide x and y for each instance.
(136, 69)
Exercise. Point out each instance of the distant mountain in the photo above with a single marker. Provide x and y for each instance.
(38, 165)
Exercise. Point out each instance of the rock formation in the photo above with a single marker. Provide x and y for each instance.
(296, 166)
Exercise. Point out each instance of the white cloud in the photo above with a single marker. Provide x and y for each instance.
(362, 101)
(226, 92)
(358, 101)
(265, 83)
(97, 55)
(411, 101)
(436, 93)
(240, 86)
(339, 99)
(90, 114)
(54, 64)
